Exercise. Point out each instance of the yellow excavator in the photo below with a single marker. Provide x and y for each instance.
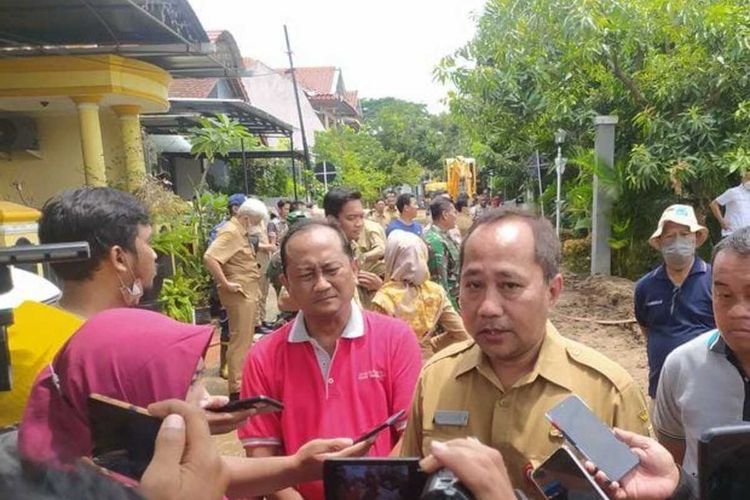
(460, 178)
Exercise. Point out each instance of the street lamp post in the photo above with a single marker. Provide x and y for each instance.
(560, 167)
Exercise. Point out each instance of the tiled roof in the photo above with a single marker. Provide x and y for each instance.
(199, 88)
(318, 79)
(352, 98)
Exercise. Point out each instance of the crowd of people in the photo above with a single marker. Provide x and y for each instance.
(446, 318)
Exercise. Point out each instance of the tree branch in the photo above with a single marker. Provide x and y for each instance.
(629, 83)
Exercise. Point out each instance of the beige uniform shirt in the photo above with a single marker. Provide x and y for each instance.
(235, 254)
(371, 248)
(459, 395)
(391, 214)
(383, 220)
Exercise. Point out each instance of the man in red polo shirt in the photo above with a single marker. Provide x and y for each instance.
(338, 369)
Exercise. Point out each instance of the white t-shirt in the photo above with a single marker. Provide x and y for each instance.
(737, 203)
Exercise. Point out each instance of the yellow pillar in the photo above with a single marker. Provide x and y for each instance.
(91, 140)
(132, 143)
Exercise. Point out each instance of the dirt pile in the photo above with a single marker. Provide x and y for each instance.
(598, 312)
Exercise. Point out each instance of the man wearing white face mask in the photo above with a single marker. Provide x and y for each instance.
(736, 203)
(232, 261)
(673, 302)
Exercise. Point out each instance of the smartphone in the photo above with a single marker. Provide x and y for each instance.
(724, 462)
(389, 422)
(261, 404)
(562, 477)
(592, 437)
(366, 478)
(123, 435)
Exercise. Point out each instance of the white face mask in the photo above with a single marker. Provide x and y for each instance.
(679, 252)
(131, 294)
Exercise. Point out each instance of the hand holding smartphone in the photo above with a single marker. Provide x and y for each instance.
(389, 422)
(592, 438)
(562, 477)
(261, 404)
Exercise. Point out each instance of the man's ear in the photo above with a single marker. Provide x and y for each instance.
(116, 258)
(284, 280)
(555, 288)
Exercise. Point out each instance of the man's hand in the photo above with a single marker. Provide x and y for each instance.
(479, 468)
(311, 455)
(186, 464)
(655, 477)
(233, 287)
(370, 281)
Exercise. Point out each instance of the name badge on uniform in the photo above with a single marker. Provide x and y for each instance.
(456, 418)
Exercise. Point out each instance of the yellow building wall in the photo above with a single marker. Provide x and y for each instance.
(61, 164)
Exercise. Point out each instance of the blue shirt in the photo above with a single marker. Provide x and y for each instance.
(415, 227)
(672, 314)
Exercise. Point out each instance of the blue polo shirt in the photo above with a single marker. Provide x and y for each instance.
(415, 227)
(672, 314)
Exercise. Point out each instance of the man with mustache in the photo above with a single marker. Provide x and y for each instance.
(338, 369)
(498, 386)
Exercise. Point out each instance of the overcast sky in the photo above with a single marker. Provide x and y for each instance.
(384, 48)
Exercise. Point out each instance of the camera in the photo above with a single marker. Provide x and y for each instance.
(444, 484)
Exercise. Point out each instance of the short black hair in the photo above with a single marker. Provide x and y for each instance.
(336, 198)
(280, 204)
(403, 200)
(304, 225)
(737, 242)
(461, 202)
(547, 251)
(102, 216)
(439, 206)
(296, 205)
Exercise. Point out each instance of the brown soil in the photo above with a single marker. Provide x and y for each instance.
(603, 298)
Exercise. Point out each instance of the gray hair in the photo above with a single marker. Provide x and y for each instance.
(253, 207)
(547, 252)
(738, 242)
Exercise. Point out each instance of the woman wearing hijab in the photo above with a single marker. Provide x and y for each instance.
(408, 294)
(141, 357)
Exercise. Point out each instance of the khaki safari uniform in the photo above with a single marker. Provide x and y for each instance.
(463, 223)
(391, 214)
(233, 251)
(459, 395)
(383, 220)
(264, 259)
(371, 248)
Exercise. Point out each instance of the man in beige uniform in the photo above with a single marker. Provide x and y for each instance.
(370, 248)
(231, 261)
(498, 386)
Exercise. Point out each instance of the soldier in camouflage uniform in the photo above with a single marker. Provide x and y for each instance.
(444, 253)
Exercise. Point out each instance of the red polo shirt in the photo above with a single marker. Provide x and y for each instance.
(371, 376)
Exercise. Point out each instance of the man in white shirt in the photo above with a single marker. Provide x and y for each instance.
(736, 202)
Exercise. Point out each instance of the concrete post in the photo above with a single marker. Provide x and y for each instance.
(132, 144)
(95, 173)
(604, 144)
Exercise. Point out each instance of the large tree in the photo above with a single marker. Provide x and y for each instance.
(675, 72)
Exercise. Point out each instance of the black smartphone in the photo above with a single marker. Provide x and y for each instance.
(123, 435)
(389, 422)
(724, 463)
(261, 404)
(562, 477)
(592, 437)
(366, 478)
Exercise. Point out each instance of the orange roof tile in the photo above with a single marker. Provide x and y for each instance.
(198, 88)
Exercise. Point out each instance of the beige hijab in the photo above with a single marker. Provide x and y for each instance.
(406, 259)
